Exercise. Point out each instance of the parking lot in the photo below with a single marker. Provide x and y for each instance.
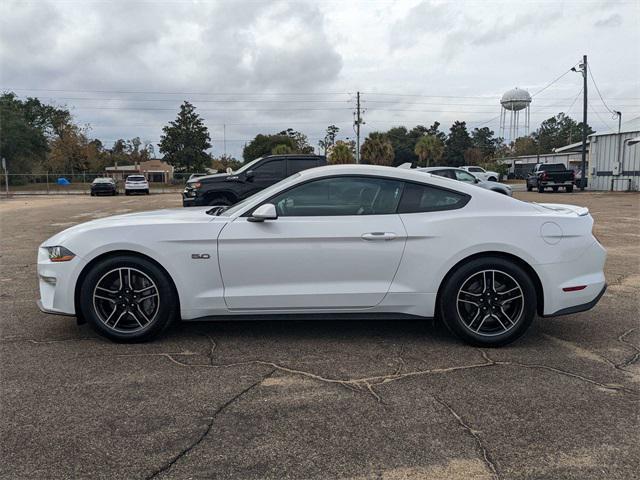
(317, 399)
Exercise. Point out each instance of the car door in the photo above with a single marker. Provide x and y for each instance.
(266, 174)
(336, 244)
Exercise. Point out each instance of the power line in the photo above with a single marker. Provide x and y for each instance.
(593, 80)
(139, 92)
(552, 82)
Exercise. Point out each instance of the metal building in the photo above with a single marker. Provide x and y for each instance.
(614, 159)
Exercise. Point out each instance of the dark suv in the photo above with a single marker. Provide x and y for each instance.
(229, 188)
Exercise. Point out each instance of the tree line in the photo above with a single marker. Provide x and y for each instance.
(37, 138)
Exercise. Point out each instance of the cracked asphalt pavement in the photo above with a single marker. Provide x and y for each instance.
(317, 399)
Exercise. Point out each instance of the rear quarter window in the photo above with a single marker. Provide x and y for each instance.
(426, 198)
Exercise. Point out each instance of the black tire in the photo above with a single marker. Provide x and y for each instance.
(92, 194)
(126, 192)
(569, 189)
(219, 201)
(555, 189)
(146, 192)
(497, 331)
(142, 315)
(492, 179)
(529, 188)
(540, 189)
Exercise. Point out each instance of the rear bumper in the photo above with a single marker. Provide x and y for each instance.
(587, 272)
(579, 308)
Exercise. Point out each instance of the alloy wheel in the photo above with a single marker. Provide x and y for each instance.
(126, 300)
(490, 303)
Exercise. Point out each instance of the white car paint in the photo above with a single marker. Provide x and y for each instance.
(481, 173)
(328, 264)
(136, 183)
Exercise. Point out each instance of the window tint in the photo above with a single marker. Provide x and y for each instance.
(464, 176)
(270, 170)
(423, 198)
(444, 173)
(297, 165)
(340, 196)
(475, 169)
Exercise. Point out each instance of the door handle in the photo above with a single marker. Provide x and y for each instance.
(386, 236)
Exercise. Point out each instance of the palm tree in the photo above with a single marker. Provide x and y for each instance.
(340, 153)
(377, 150)
(429, 148)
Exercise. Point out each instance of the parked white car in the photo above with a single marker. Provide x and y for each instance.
(350, 240)
(136, 184)
(482, 174)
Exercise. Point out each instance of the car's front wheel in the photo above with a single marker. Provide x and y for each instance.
(489, 301)
(128, 299)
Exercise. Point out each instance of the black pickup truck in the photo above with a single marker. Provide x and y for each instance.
(550, 175)
(229, 188)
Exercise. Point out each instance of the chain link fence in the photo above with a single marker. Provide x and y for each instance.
(74, 183)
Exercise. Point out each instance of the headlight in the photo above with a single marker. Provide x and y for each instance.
(59, 254)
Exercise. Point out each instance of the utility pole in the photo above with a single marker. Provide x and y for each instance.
(583, 177)
(224, 138)
(358, 122)
(6, 176)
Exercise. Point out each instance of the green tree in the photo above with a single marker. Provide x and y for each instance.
(223, 162)
(264, 144)
(185, 141)
(429, 150)
(300, 141)
(485, 142)
(377, 150)
(456, 144)
(329, 139)
(557, 132)
(340, 153)
(281, 149)
(525, 146)
(23, 141)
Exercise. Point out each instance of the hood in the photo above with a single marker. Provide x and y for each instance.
(154, 217)
(216, 177)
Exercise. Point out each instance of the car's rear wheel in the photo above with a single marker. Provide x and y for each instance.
(128, 299)
(540, 189)
(529, 188)
(569, 189)
(555, 189)
(489, 301)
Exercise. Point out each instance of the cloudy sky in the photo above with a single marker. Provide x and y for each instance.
(262, 66)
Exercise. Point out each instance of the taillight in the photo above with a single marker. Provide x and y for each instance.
(545, 176)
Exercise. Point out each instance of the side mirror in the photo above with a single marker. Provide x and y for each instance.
(476, 180)
(249, 174)
(264, 212)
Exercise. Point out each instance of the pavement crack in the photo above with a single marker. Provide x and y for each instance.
(489, 462)
(635, 356)
(43, 341)
(540, 366)
(204, 434)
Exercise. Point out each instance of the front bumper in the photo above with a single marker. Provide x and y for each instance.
(192, 201)
(57, 283)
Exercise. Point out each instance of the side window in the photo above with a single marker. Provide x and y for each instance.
(297, 165)
(445, 174)
(272, 170)
(340, 196)
(424, 198)
(464, 176)
(475, 169)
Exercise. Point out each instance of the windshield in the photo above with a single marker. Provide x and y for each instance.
(552, 167)
(247, 166)
(267, 192)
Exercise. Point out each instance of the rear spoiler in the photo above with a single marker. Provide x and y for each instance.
(564, 209)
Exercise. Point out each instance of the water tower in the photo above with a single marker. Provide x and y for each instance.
(513, 102)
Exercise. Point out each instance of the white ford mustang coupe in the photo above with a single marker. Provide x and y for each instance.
(338, 241)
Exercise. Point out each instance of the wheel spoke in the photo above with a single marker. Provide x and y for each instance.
(146, 297)
(121, 315)
(499, 321)
(100, 297)
(143, 314)
(481, 323)
(507, 316)
(134, 317)
(140, 290)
